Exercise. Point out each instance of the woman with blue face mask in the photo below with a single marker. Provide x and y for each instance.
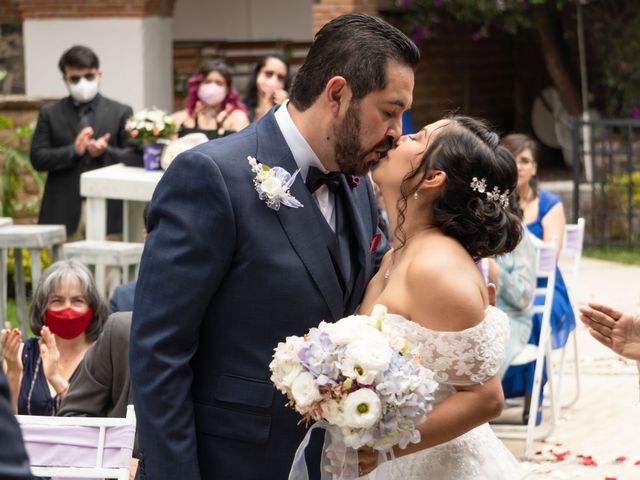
(213, 106)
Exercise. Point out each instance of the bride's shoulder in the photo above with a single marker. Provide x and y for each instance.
(445, 289)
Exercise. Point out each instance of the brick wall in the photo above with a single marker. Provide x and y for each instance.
(458, 74)
(9, 11)
(326, 10)
(94, 8)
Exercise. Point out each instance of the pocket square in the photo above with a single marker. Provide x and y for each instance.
(375, 241)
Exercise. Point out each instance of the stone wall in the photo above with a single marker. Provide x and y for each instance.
(11, 49)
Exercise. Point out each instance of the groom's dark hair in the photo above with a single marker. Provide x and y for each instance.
(357, 47)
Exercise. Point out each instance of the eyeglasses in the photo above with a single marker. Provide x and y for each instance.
(76, 78)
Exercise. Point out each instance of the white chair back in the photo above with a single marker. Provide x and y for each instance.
(541, 353)
(571, 254)
(79, 447)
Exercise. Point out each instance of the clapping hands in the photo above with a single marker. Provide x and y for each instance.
(11, 346)
(50, 361)
(86, 143)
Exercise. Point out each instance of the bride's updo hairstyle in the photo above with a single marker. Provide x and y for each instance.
(481, 174)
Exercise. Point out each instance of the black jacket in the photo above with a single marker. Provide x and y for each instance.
(52, 150)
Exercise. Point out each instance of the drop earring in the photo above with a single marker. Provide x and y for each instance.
(415, 195)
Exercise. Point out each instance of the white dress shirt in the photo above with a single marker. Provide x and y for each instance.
(305, 157)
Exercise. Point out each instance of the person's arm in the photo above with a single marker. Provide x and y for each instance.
(187, 253)
(615, 329)
(45, 156)
(50, 363)
(553, 224)
(450, 303)
(12, 363)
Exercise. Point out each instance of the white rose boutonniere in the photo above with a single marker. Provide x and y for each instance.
(273, 184)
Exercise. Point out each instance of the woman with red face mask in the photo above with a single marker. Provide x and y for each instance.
(213, 104)
(67, 316)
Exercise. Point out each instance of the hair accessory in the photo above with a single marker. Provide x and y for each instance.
(495, 195)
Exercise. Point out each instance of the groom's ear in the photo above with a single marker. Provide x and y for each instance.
(337, 94)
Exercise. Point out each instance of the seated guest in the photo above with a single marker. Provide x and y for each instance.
(213, 105)
(268, 85)
(67, 315)
(101, 386)
(543, 214)
(514, 275)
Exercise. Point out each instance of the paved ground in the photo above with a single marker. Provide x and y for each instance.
(599, 436)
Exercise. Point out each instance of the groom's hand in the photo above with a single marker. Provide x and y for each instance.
(491, 289)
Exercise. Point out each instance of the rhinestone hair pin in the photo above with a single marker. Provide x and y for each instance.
(495, 195)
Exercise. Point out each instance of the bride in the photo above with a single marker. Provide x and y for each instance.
(450, 183)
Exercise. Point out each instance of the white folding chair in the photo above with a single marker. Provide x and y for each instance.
(79, 447)
(569, 264)
(541, 354)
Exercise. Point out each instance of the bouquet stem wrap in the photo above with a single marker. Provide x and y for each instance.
(338, 461)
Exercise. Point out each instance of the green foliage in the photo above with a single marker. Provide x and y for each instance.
(625, 255)
(15, 168)
(45, 261)
(622, 69)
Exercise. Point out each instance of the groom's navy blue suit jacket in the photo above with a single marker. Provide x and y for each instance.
(223, 279)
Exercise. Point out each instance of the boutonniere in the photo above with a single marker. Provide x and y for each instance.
(353, 181)
(273, 184)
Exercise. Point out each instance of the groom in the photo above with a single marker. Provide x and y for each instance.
(225, 277)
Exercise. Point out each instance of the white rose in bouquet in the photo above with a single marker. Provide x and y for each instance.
(305, 390)
(368, 358)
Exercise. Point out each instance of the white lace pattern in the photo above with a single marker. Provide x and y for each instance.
(468, 357)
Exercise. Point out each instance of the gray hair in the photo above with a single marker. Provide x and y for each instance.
(49, 283)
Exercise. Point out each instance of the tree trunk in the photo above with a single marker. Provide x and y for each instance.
(555, 65)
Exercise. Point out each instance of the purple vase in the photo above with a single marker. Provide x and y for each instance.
(151, 156)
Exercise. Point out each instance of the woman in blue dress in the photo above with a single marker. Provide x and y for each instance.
(67, 316)
(545, 218)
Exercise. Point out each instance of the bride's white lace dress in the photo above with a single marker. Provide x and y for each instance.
(468, 357)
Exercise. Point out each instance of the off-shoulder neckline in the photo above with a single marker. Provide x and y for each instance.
(480, 325)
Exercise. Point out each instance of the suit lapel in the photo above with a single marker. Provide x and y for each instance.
(363, 259)
(301, 224)
(70, 116)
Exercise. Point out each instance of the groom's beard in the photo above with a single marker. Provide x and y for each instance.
(348, 151)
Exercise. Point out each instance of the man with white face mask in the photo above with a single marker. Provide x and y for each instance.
(81, 132)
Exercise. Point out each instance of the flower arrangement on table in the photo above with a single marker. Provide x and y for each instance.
(151, 127)
(357, 380)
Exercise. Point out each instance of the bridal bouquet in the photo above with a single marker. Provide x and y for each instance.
(358, 376)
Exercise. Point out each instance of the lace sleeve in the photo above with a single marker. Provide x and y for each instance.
(468, 357)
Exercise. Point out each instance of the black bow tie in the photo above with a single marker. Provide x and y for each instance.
(316, 178)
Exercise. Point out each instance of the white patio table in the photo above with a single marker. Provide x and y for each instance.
(133, 185)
